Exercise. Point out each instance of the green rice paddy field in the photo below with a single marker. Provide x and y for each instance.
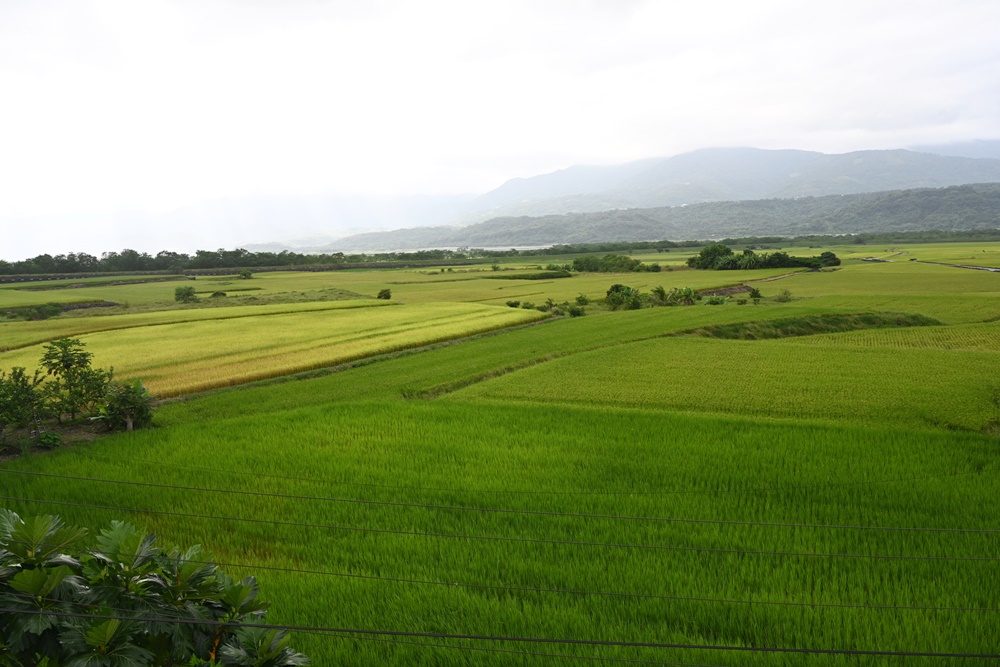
(602, 478)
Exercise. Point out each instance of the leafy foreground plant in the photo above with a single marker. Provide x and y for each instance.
(127, 603)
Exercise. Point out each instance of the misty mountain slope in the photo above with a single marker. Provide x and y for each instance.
(869, 171)
(575, 180)
(728, 174)
(722, 173)
(952, 208)
(980, 148)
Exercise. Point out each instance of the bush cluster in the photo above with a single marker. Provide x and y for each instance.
(65, 390)
(612, 263)
(623, 297)
(720, 257)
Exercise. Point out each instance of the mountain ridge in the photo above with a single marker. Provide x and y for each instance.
(970, 206)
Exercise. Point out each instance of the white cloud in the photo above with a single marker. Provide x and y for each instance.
(154, 104)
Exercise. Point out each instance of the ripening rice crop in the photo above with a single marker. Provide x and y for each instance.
(983, 336)
(185, 357)
(21, 334)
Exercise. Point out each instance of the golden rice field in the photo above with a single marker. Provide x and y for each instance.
(23, 333)
(185, 357)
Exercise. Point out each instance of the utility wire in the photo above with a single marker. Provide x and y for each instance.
(592, 658)
(494, 510)
(764, 489)
(499, 538)
(28, 598)
(502, 638)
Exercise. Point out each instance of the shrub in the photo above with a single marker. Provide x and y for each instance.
(22, 404)
(513, 304)
(576, 311)
(527, 305)
(185, 294)
(741, 302)
(582, 299)
(622, 296)
(245, 274)
(49, 439)
(716, 300)
(385, 293)
(783, 296)
(126, 407)
(216, 295)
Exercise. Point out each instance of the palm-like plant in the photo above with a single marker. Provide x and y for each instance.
(149, 606)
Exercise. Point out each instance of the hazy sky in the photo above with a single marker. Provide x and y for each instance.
(149, 105)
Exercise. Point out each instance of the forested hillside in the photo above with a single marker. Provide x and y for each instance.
(952, 208)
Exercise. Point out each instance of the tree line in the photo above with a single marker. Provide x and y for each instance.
(720, 257)
(129, 260)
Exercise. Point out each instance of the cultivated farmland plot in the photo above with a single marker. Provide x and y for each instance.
(669, 498)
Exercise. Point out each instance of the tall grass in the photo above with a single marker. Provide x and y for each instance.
(576, 461)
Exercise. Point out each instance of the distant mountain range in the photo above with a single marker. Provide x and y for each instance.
(710, 175)
(952, 208)
(727, 174)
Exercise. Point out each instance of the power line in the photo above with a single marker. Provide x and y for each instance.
(502, 638)
(593, 658)
(578, 592)
(764, 489)
(369, 638)
(337, 635)
(499, 538)
(494, 510)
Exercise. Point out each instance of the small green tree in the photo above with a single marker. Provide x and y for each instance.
(185, 294)
(682, 296)
(830, 259)
(126, 407)
(658, 296)
(623, 297)
(74, 387)
(245, 274)
(385, 293)
(711, 256)
(22, 404)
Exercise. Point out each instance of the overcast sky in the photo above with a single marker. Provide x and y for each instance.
(150, 105)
